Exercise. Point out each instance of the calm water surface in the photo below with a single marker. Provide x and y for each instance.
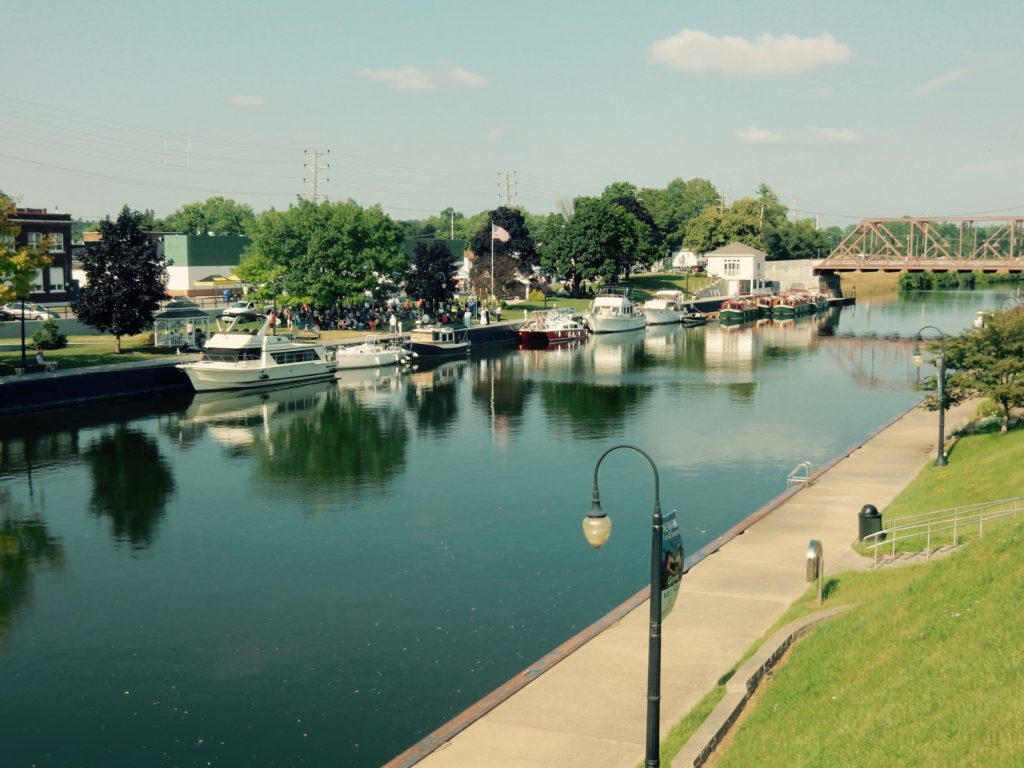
(322, 575)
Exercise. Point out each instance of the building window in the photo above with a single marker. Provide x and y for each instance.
(37, 284)
(56, 278)
(56, 242)
(731, 267)
(34, 239)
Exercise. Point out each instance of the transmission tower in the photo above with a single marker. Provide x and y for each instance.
(507, 186)
(315, 167)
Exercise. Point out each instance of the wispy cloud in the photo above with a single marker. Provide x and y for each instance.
(241, 101)
(418, 79)
(691, 50)
(953, 76)
(836, 135)
(755, 135)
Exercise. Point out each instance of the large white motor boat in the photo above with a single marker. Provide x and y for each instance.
(665, 307)
(237, 359)
(613, 310)
(375, 352)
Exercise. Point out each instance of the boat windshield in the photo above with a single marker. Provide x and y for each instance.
(227, 355)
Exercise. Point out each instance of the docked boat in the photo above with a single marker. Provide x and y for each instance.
(692, 317)
(793, 305)
(612, 311)
(664, 308)
(766, 303)
(238, 359)
(546, 329)
(375, 352)
(439, 340)
(737, 310)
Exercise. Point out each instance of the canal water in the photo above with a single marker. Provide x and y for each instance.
(321, 575)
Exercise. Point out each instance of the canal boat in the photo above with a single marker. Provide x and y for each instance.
(437, 340)
(737, 310)
(613, 311)
(766, 303)
(793, 305)
(374, 352)
(546, 329)
(236, 359)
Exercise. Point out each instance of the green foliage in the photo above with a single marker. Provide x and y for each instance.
(432, 276)
(989, 362)
(215, 216)
(673, 207)
(49, 336)
(125, 278)
(520, 247)
(326, 253)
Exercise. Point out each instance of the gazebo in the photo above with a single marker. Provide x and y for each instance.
(179, 324)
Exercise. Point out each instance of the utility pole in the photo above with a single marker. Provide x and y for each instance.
(315, 168)
(796, 209)
(509, 187)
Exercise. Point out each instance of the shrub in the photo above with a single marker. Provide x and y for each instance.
(50, 336)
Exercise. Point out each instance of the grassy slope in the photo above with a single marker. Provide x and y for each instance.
(928, 670)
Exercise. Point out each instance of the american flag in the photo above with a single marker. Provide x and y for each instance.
(500, 233)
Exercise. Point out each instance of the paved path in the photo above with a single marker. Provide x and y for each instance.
(589, 710)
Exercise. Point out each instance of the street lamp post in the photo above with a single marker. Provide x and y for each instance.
(940, 458)
(597, 528)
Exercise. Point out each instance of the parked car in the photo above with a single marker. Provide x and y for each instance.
(19, 309)
(5, 315)
(246, 308)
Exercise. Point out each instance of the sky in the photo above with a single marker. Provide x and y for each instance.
(846, 110)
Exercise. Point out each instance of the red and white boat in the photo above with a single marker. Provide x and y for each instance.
(545, 329)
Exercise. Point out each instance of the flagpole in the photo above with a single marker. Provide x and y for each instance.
(492, 258)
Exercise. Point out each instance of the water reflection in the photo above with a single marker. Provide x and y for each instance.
(131, 483)
(26, 544)
(431, 395)
(616, 353)
(501, 390)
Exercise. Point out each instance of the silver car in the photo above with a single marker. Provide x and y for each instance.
(19, 309)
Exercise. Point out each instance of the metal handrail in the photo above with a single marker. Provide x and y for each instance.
(952, 519)
(795, 478)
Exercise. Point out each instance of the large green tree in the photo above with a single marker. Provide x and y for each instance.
(125, 278)
(213, 216)
(989, 362)
(677, 204)
(432, 276)
(326, 252)
(600, 241)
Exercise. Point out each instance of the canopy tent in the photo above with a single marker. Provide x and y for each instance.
(218, 281)
(180, 324)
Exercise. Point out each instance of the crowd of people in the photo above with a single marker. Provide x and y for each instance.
(388, 315)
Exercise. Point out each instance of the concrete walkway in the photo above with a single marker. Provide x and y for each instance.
(589, 709)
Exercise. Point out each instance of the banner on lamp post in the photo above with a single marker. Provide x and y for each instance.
(671, 562)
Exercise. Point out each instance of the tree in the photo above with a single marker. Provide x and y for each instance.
(18, 266)
(125, 278)
(432, 276)
(676, 205)
(326, 253)
(600, 242)
(988, 362)
(213, 216)
(520, 246)
(650, 240)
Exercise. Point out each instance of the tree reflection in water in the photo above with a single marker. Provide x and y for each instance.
(592, 411)
(25, 545)
(131, 483)
(431, 395)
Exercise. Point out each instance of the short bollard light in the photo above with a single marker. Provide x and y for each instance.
(815, 564)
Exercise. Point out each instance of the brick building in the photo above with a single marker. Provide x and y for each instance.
(52, 283)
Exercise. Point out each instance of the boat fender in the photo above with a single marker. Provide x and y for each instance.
(264, 375)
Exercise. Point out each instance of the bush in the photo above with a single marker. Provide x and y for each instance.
(536, 296)
(49, 336)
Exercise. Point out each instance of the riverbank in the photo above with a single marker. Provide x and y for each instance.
(733, 591)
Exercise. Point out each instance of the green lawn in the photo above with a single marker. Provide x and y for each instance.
(86, 351)
(927, 670)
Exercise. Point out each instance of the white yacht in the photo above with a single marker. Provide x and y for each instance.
(665, 308)
(237, 359)
(613, 310)
(375, 352)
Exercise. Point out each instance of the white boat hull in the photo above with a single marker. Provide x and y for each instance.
(615, 323)
(347, 360)
(663, 316)
(208, 376)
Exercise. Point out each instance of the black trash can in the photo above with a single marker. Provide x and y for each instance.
(870, 521)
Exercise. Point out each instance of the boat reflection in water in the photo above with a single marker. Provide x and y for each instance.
(616, 353)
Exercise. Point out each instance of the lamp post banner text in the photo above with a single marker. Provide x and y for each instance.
(671, 562)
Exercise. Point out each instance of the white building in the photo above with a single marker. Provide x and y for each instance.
(684, 258)
(740, 267)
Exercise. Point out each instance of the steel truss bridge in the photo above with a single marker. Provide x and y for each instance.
(946, 244)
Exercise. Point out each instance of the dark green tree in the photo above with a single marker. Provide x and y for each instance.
(125, 278)
(432, 274)
(520, 246)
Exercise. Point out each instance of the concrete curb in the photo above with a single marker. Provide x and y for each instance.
(741, 687)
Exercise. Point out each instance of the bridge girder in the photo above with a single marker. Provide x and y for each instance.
(940, 244)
